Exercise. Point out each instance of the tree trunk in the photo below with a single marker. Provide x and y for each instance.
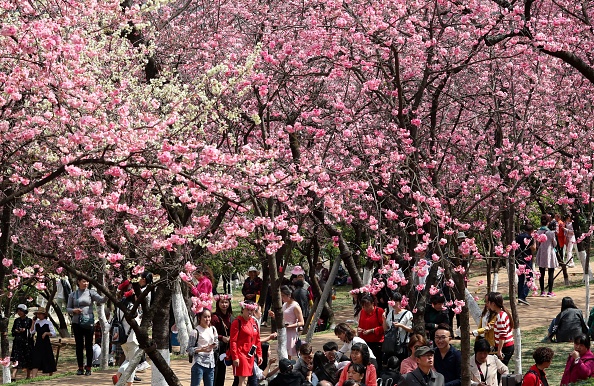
(133, 362)
(182, 321)
(325, 294)
(162, 373)
(105, 341)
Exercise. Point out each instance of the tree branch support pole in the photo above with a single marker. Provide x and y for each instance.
(327, 291)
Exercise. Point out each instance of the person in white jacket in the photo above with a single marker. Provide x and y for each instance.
(484, 367)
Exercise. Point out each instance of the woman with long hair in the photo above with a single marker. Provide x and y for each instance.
(201, 346)
(204, 282)
(371, 327)
(360, 356)
(221, 320)
(486, 327)
(346, 334)
(569, 323)
(293, 318)
(504, 338)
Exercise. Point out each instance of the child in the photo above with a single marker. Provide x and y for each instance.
(42, 354)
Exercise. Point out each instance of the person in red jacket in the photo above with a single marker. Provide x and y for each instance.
(371, 327)
(543, 356)
(580, 363)
(243, 336)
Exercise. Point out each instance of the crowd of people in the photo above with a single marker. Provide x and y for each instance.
(381, 347)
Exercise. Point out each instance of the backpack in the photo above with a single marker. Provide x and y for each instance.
(119, 336)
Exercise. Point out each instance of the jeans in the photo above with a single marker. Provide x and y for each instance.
(199, 373)
(523, 289)
(83, 339)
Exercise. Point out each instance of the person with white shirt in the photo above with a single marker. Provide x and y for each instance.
(484, 367)
(203, 342)
(400, 319)
(42, 354)
(347, 335)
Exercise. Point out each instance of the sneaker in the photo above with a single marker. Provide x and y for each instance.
(80, 372)
(142, 366)
(543, 294)
(523, 301)
(551, 295)
(88, 372)
(115, 379)
(136, 379)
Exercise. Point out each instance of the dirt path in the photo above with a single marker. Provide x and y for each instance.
(541, 311)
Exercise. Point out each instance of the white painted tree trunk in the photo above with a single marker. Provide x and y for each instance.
(133, 362)
(518, 350)
(367, 276)
(587, 276)
(105, 343)
(6, 377)
(182, 320)
(157, 378)
(473, 308)
(495, 282)
(282, 343)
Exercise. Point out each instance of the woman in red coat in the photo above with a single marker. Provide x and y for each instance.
(245, 334)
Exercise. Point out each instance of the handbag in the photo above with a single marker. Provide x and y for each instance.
(392, 346)
(85, 321)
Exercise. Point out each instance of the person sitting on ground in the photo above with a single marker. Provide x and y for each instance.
(324, 368)
(569, 323)
(543, 356)
(423, 375)
(481, 362)
(448, 359)
(331, 351)
(304, 363)
(356, 373)
(286, 375)
(410, 363)
(360, 354)
(580, 363)
(391, 376)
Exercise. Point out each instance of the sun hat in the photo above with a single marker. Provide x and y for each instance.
(40, 310)
(461, 235)
(297, 270)
(253, 269)
(22, 307)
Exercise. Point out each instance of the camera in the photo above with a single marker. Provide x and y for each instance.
(252, 351)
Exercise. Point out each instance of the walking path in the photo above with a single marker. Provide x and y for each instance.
(538, 314)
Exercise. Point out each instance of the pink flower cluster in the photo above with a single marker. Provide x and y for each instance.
(200, 302)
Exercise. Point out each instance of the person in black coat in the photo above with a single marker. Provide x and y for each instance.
(23, 342)
(569, 323)
(391, 376)
(435, 314)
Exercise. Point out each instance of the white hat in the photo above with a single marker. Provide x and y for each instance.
(461, 235)
(22, 307)
(253, 269)
(297, 270)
